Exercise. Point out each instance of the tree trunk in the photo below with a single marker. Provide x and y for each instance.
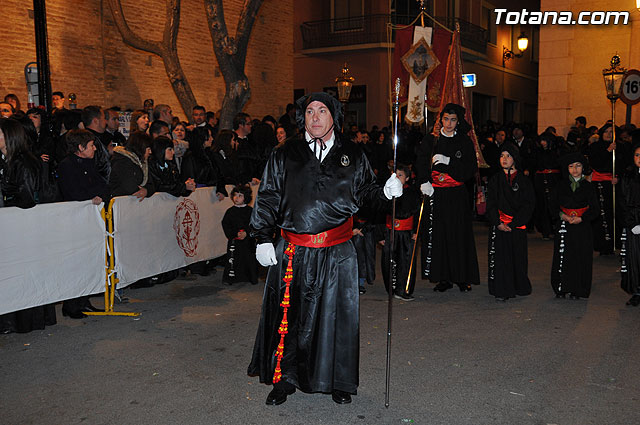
(166, 49)
(231, 54)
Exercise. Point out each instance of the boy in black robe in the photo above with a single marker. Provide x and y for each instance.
(547, 174)
(241, 263)
(452, 251)
(510, 204)
(405, 224)
(308, 336)
(574, 200)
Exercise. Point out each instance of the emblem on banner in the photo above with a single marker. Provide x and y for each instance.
(186, 223)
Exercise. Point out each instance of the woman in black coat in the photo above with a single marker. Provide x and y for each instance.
(196, 163)
(164, 171)
(20, 186)
(129, 168)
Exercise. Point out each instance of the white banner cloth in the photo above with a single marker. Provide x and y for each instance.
(49, 253)
(415, 111)
(164, 233)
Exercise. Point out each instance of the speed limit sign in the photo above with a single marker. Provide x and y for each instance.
(631, 87)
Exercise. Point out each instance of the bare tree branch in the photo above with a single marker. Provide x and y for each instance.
(231, 54)
(166, 49)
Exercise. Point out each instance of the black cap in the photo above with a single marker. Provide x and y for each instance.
(514, 152)
(334, 106)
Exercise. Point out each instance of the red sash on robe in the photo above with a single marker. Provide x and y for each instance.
(444, 180)
(400, 223)
(506, 219)
(574, 212)
(601, 177)
(331, 237)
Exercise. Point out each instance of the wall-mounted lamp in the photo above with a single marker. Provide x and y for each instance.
(523, 43)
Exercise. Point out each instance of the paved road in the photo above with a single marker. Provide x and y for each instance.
(458, 358)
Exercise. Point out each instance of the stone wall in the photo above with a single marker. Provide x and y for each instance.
(89, 58)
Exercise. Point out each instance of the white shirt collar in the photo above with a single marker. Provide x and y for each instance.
(328, 144)
(442, 132)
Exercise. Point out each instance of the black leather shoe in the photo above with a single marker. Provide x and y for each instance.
(278, 396)
(574, 297)
(561, 295)
(73, 314)
(443, 286)
(634, 300)
(464, 287)
(341, 397)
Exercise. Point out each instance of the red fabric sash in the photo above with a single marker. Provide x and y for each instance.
(506, 219)
(236, 238)
(548, 171)
(601, 177)
(400, 223)
(443, 180)
(574, 212)
(331, 237)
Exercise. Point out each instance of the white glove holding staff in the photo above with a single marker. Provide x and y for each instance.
(426, 188)
(636, 230)
(266, 254)
(393, 187)
(440, 159)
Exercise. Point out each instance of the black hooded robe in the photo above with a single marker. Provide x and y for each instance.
(452, 250)
(406, 207)
(600, 160)
(547, 174)
(571, 270)
(508, 255)
(630, 252)
(241, 265)
(302, 195)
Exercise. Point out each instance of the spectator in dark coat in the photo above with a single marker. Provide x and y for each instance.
(196, 163)
(79, 180)
(164, 171)
(129, 168)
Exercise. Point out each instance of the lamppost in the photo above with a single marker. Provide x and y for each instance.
(613, 84)
(523, 43)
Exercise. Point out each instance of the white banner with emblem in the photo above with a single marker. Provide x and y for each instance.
(419, 61)
(164, 233)
(49, 253)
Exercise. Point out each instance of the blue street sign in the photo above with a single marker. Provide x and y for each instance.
(469, 80)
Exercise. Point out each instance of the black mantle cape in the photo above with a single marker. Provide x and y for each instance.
(299, 194)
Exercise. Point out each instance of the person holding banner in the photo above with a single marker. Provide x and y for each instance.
(452, 255)
(308, 336)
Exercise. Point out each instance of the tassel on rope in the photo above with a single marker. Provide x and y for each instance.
(284, 324)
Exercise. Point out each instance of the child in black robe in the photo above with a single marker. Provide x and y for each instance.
(630, 252)
(510, 205)
(365, 236)
(241, 260)
(406, 224)
(576, 203)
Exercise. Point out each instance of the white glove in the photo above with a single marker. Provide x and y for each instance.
(440, 159)
(636, 230)
(266, 255)
(393, 187)
(426, 188)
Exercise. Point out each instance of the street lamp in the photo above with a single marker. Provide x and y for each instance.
(613, 84)
(344, 82)
(523, 43)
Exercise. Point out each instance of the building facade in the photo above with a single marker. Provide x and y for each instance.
(572, 58)
(329, 34)
(89, 58)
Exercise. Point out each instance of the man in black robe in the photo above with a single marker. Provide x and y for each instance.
(308, 335)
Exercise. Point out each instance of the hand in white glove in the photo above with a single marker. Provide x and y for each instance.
(393, 187)
(636, 230)
(426, 188)
(440, 159)
(266, 255)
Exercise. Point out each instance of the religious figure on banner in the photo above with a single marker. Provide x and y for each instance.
(420, 61)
